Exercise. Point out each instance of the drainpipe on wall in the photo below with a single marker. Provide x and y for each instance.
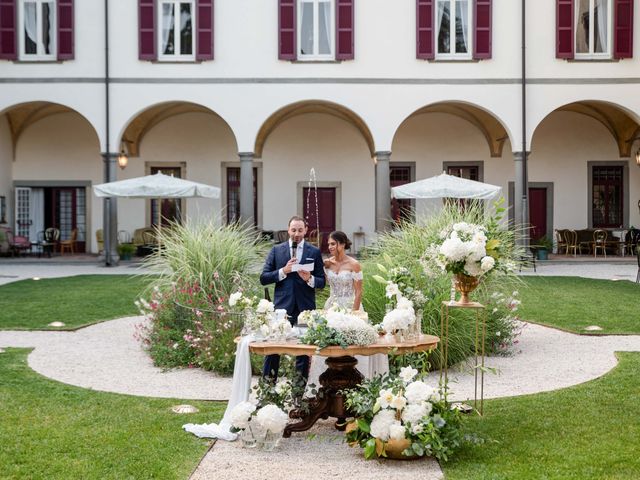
(520, 208)
(110, 213)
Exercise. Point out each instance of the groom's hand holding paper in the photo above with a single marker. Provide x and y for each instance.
(307, 267)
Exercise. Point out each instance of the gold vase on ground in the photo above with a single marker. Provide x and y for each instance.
(394, 448)
(465, 284)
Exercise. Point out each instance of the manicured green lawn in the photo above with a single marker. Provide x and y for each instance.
(49, 430)
(572, 303)
(585, 432)
(76, 301)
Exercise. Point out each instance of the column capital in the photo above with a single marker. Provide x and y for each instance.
(111, 156)
(519, 156)
(384, 155)
(246, 156)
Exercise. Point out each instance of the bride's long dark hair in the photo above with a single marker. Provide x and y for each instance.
(341, 238)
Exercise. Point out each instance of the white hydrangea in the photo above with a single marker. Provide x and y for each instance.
(241, 414)
(272, 418)
(381, 424)
(233, 298)
(396, 431)
(418, 392)
(408, 373)
(413, 413)
(454, 249)
(398, 319)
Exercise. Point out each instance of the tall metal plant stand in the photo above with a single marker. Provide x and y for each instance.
(479, 351)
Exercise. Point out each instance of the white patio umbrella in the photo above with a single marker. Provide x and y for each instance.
(446, 186)
(156, 186)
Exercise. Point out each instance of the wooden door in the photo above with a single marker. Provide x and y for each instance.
(326, 212)
(538, 213)
(68, 211)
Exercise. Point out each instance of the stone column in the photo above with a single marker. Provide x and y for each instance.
(521, 193)
(110, 213)
(246, 187)
(383, 192)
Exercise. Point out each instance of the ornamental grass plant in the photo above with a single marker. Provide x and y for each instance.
(198, 266)
(407, 246)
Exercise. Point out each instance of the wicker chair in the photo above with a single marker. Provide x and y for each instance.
(572, 242)
(561, 241)
(69, 244)
(599, 242)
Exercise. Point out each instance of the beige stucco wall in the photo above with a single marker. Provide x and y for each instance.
(561, 148)
(337, 152)
(6, 164)
(201, 140)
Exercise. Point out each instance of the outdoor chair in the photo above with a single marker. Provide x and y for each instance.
(315, 238)
(561, 241)
(282, 236)
(124, 237)
(18, 244)
(599, 242)
(69, 244)
(572, 242)
(51, 237)
(100, 240)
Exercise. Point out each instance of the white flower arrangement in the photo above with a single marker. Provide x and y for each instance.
(258, 317)
(241, 415)
(403, 408)
(465, 249)
(337, 326)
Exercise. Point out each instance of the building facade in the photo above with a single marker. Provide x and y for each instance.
(251, 95)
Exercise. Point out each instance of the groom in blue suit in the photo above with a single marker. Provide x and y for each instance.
(295, 291)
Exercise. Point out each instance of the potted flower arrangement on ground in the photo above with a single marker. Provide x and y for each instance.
(402, 417)
(261, 427)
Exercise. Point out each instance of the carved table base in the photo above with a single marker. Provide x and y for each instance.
(341, 374)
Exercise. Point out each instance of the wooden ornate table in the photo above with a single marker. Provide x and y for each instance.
(341, 374)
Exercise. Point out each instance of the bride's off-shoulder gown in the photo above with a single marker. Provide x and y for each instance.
(342, 293)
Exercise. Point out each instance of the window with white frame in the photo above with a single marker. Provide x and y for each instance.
(176, 30)
(593, 28)
(37, 27)
(316, 27)
(453, 31)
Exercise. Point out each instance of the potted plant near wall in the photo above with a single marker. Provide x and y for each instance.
(543, 246)
(126, 250)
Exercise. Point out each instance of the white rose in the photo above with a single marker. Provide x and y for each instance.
(381, 424)
(408, 373)
(487, 263)
(418, 392)
(396, 431)
(265, 306)
(234, 297)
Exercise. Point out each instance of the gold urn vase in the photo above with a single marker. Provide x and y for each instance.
(394, 448)
(465, 284)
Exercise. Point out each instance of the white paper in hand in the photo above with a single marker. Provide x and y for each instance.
(302, 266)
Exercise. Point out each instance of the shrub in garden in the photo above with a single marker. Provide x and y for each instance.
(406, 249)
(196, 269)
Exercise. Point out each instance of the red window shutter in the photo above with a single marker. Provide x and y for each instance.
(344, 29)
(147, 30)
(65, 30)
(482, 29)
(623, 29)
(287, 29)
(8, 31)
(564, 28)
(204, 19)
(425, 48)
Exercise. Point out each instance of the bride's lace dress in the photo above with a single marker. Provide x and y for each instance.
(342, 293)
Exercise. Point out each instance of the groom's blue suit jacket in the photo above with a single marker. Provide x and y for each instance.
(293, 294)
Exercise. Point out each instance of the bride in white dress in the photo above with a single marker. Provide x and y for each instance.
(344, 277)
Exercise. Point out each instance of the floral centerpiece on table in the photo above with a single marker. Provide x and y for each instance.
(337, 326)
(402, 417)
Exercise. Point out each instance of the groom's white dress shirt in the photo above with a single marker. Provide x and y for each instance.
(281, 275)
